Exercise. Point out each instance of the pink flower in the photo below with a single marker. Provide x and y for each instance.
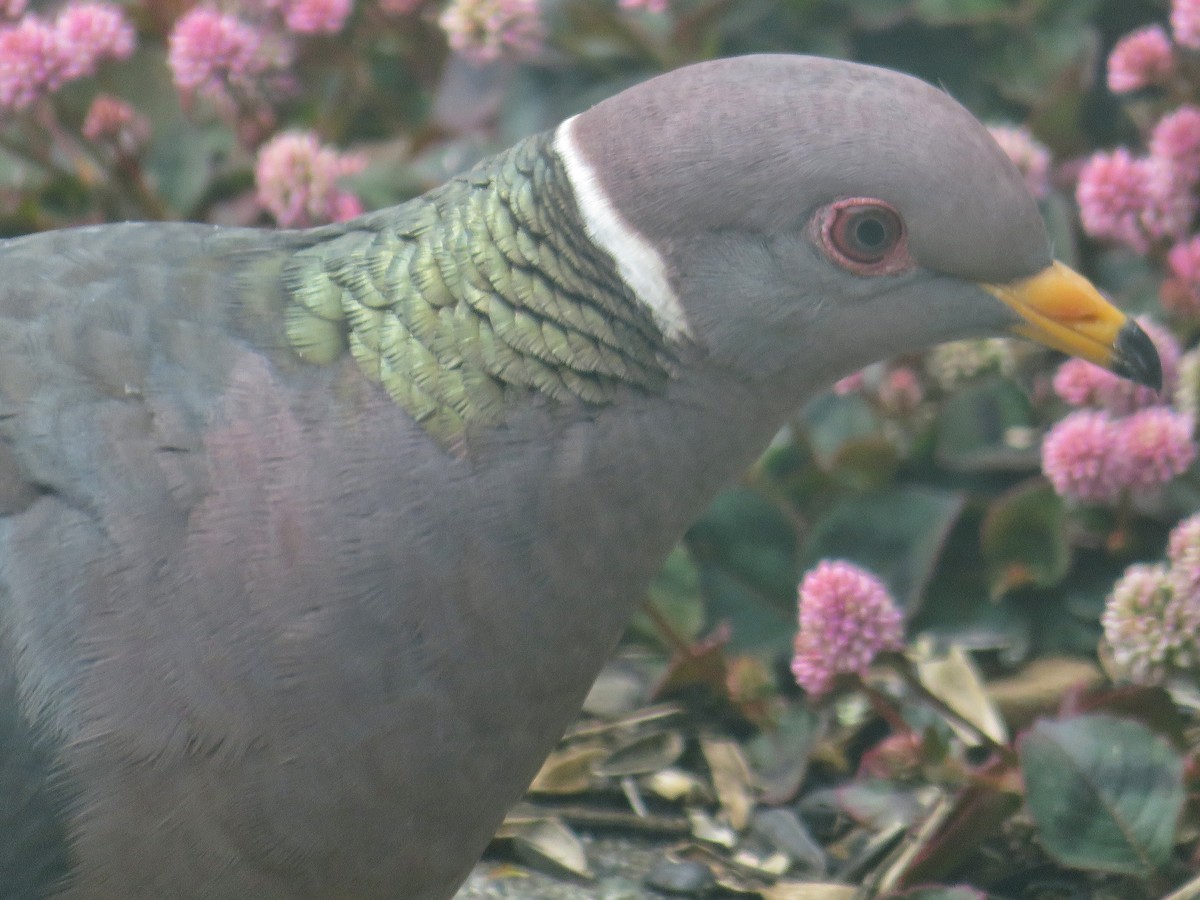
(296, 179)
(1113, 191)
(345, 206)
(1185, 23)
(317, 16)
(210, 50)
(652, 6)
(1187, 388)
(1176, 141)
(1152, 618)
(1140, 59)
(900, 393)
(1081, 383)
(847, 617)
(1183, 546)
(114, 122)
(1183, 551)
(1157, 445)
(37, 58)
(898, 757)
(1170, 202)
(1030, 156)
(31, 62)
(851, 384)
(488, 30)
(1080, 458)
(89, 32)
(1184, 261)
(1142, 627)
(1181, 293)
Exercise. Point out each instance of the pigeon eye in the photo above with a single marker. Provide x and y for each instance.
(865, 233)
(865, 236)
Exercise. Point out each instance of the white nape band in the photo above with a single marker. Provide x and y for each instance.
(638, 262)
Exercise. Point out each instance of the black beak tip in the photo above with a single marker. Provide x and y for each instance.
(1136, 357)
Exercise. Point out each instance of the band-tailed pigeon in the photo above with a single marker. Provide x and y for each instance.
(311, 542)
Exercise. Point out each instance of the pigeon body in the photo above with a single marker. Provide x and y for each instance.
(312, 542)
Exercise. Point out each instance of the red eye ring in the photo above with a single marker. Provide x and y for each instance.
(866, 236)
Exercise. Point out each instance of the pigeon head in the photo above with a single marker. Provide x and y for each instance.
(756, 201)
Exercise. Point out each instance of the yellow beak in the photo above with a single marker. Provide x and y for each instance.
(1062, 309)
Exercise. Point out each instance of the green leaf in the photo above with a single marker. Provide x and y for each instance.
(939, 893)
(1130, 278)
(780, 754)
(759, 622)
(745, 550)
(1027, 67)
(1152, 706)
(676, 597)
(956, 607)
(1024, 538)
(788, 471)
(1106, 793)
(866, 462)
(987, 427)
(878, 14)
(835, 421)
(898, 533)
(961, 12)
(748, 535)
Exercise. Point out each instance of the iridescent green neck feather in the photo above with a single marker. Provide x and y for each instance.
(477, 296)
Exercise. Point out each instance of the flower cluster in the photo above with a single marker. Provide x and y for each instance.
(38, 56)
(1130, 442)
(1185, 23)
(1187, 390)
(237, 56)
(1183, 551)
(1114, 198)
(1150, 201)
(1141, 59)
(1152, 618)
(850, 384)
(1181, 292)
(316, 16)
(900, 393)
(220, 54)
(213, 53)
(847, 617)
(957, 362)
(113, 122)
(895, 390)
(485, 31)
(1029, 155)
(297, 181)
(1079, 459)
